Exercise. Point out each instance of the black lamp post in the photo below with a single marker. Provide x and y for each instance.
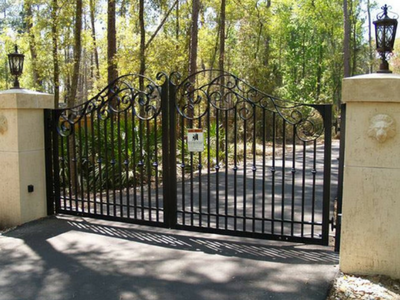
(385, 34)
(16, 63)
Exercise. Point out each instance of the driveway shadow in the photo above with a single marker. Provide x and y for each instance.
(74, 258)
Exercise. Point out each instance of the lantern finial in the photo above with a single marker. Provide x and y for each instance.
(385, 34)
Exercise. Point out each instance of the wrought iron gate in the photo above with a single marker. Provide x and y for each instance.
(264, 170)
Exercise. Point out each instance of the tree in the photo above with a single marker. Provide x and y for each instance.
(194, 37)
(142, 41)
(346, 40)
(32, 44)
(112, 72)
(222, 36)
(370, 51)
(56, 68)
(77, 53)
(92, 23)
(294, 49)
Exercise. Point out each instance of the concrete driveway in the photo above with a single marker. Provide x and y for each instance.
(59, 258)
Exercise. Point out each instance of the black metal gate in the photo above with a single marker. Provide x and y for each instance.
(208, 153)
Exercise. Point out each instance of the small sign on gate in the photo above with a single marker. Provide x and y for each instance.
(195, 139)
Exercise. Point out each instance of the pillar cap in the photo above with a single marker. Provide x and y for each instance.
(25, 99)
(378, 88)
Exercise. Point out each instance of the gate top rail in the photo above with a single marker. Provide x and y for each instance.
(225, 91)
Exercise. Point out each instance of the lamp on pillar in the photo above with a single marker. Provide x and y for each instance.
(385, 34)
(16, 64)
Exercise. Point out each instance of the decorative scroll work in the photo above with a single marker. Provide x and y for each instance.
(223, 91)
(135, 93)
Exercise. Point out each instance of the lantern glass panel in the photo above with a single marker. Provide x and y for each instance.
(16, 64)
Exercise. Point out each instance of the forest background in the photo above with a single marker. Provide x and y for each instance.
(299, 50)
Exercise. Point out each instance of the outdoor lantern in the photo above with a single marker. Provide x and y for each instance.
(385, 34)
(16, 63)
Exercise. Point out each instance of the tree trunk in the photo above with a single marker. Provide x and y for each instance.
(77, 53)
(142, 69)
(32, 45)
(111, 42)
(95, 52)
(213, 58)
(71, 100)
(319, 72)
(370, 51)
(222, 37)
(56, 68)
(346, 40)
(194, 37)
(354, 52)
(177, 27)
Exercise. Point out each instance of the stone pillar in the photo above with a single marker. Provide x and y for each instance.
(22, 157)
(370, 242)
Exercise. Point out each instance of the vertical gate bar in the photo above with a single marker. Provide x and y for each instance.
(148, 167)
(155, 164)
(93, 116)
(293, 179)
(191, 182)
(172, 155)
(48, 134)
(74, 159)
(340, 177)
(283, 176)
(87, 163)
(141, 166)
(217, 169)
(200, 182)
(254, 169)
(226, 169)
(69, 170)
(244, 172)
(82, 189)
(120, 165)
(273, 170)
(235, 169)
(200, 167)
(61, 152)
(327, 172)
(126, 163)
(208, 165)
(183, 170)
(57, 161)
(134, 164)
(100, 182)
(165, 139)
(314, 173)
(107, 168)
(113, 118)
(303, 187)
(263, 169)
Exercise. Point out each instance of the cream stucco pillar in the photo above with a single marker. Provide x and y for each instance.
(22, 158)
(370, 241)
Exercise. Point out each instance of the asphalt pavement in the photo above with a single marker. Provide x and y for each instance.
(64, 257)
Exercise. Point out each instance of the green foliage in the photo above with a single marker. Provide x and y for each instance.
(290, 48)
(108, 155)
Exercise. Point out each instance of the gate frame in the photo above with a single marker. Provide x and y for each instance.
(169, 147)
